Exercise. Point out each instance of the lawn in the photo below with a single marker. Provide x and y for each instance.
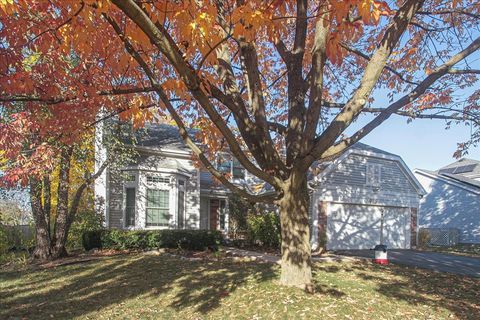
(140, 286)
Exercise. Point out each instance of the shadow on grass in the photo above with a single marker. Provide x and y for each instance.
(415, 286)
(165, 282)
(70, 291)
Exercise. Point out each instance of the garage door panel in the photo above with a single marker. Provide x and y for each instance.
(394, 230)
(358, 227)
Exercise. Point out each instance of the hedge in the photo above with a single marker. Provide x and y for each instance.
(151, 239)
(264, 229)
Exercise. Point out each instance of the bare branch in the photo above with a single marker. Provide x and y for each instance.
(405, 100)
(366, 57)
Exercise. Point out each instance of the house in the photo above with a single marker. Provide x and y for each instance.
(453, 199)
(365, 197)
(351, 198)
(162, 188)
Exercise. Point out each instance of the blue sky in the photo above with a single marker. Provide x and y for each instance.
(422, 143)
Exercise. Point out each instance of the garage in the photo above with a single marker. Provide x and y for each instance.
(353, 226)
(358, 192)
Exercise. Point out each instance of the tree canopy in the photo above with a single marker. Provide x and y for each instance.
(275, 82)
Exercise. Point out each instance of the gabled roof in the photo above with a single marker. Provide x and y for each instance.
(365, 147)
(453, 179)
(369, 151)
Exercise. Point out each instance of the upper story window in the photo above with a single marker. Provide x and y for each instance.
(130, 178)
(374, 174)
(158, 179)
(228, 164)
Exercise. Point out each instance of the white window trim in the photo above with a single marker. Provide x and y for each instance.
(169, 207)
(171, 187)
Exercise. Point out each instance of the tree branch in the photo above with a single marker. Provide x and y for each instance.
(405, 100)
(370, 77)
(159, 90)
(162, 40)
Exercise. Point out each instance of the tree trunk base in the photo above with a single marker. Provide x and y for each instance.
(59, 252)
(41, 254)
(293, 275)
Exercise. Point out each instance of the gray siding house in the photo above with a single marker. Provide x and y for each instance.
(351, 198)
(364, 197)
(453, 199)
(162, 189)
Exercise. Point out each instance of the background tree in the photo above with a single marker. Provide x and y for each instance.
(276, 82)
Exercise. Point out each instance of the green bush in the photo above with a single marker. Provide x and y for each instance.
(264, 229)
(86, 220)
(4, 244)
(151, 239)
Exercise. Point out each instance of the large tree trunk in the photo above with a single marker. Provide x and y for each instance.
(294, 218)
(42, 237)
(62, 220)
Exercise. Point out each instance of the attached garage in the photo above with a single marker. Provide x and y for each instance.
(362, 196)
(353, 226)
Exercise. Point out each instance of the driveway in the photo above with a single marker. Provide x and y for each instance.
(427, 260)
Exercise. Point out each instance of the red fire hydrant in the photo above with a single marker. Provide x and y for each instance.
(380, 254)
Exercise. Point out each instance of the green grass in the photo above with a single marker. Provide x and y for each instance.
(139, 286)
(471, 250)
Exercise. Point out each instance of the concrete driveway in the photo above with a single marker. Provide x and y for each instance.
(427, 260)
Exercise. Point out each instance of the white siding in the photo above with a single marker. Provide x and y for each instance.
(449, 206)
(347, 183)
(345, 186)
(152, 165)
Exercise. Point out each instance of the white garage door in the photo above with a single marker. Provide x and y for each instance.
(358, 227)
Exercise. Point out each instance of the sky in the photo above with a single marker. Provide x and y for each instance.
(422, 143)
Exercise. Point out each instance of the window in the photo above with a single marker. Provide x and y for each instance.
(374, 171)
(158, 179)
(129, 207)
(224, 162)
(228, 164)
(237, 170)
(181, 209)
(158, 207)
(222, 212)
(130, 178)
(181, 204)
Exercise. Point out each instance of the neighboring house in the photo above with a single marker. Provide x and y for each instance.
(359, 192)
(453, 199)
(351, 197)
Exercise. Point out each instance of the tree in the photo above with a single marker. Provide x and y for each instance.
(275, 82)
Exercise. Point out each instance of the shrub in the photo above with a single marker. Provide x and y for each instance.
(86, 220)
(264, 229)
(151, 239)
(423, 238)
(4, 244)
(238, 210)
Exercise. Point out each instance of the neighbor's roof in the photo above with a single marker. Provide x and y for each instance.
(463, 166)
(454, 179)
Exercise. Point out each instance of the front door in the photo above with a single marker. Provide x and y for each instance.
(214, 206)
